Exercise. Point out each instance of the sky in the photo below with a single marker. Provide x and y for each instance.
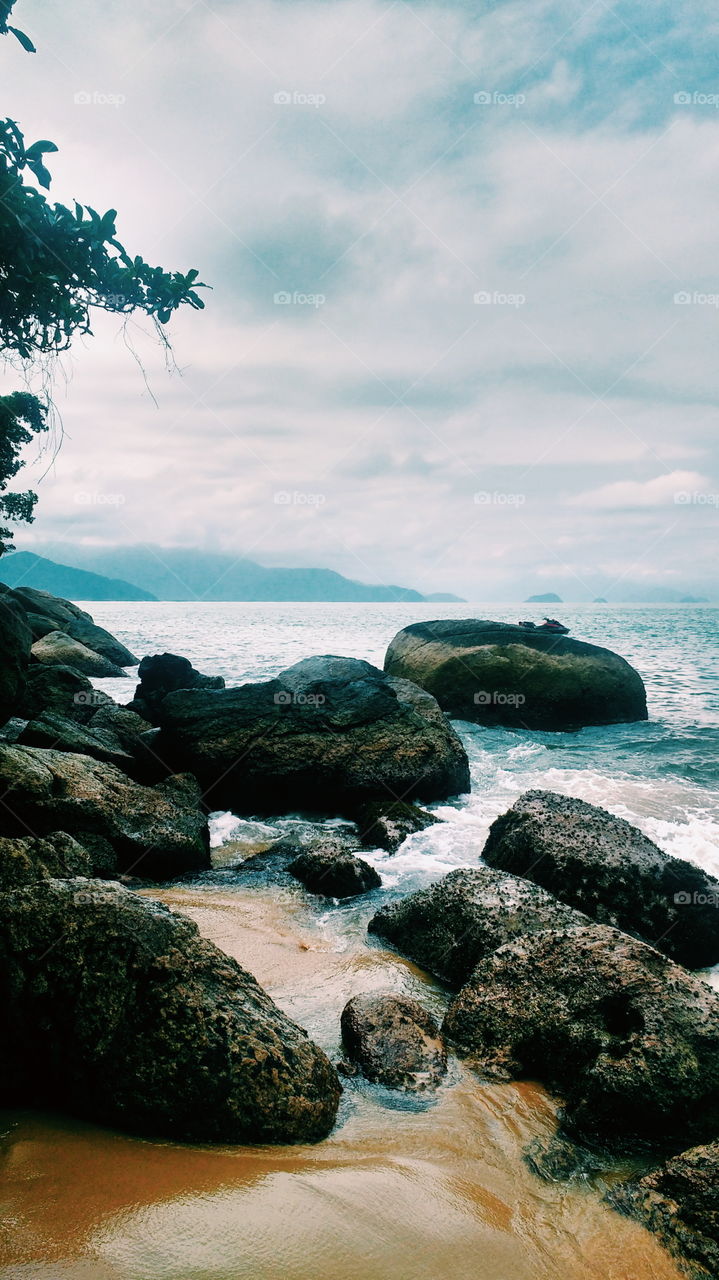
(462, 326)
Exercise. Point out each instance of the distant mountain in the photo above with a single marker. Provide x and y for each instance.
(172, 573)
(444, 597)
(548, 598)
(24, 569)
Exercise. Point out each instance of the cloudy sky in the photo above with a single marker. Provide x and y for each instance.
(465, 297)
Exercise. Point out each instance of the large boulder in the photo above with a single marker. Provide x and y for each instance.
(56, 856)
(457, 921)
(158, 832)
(15, 642)
(333, 872)
(58, 649)
(394, 1041)
(386, 824)
(163, 673)
(326, 735)
(62, 734)
(680, 1203)
(51, 613)
(498, 674)
(628, 1038)
(607, 868)
(61, 690)
(117, 1010)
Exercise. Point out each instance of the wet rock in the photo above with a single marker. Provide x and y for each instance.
(680, 1203)
(628, 1038)
(384, 824)
(58, 649)
(334, 872)
(394, 1041)
(453, 924)
(25, 861)
(327, 735)
(607, 868)
(47, 613)
(61, 734)
(15, 642)
(117, 1010)
(497, 674)
(164, 673)
(158, 832)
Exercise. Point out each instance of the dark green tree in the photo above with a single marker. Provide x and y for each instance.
(56, 265)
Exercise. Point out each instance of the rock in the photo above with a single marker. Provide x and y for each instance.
(164, 673)
(498, 674)
(28, 860)
(386, 824)
(58, 649)
(607, 868)
(627, 1037)
(61, 734)
(48, 613)
(115, 1009)
(326, 735)
(101, 641)
(453, 924)
(332, 871)
(395, 1042)
(46, 605)
(680, 1203)
(158, 832)
(15, 641)
(61, 690)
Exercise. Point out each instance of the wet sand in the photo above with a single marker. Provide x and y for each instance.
(398, 1191)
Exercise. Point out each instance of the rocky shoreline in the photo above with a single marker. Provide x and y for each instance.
(569, 948)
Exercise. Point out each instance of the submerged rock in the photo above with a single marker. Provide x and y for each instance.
(326, 735)
(117, 1010)
(164, 673)
(395, 1042)
(333, 871)
(15, 642)
(386, 824)
(453, 924)
(627, 1037)
(58, 649)
(158, 832)
(680, 1203)
(605, 867)
(498, 674)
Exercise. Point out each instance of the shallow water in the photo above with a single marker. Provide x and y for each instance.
(399, 1191)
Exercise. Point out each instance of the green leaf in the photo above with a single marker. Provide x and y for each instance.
(25, 41)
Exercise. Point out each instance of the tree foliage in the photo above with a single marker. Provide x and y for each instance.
(56, 265)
